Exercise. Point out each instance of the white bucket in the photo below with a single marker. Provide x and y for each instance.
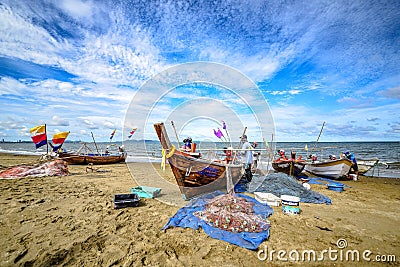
(290, 204)
(353, 177)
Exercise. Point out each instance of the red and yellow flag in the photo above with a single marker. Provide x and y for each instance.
(38, 135)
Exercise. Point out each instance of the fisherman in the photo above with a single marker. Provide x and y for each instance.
(228, 154)
(351, 157)
(187, 144)
(256, 156)
(246, 146)
(281, 154)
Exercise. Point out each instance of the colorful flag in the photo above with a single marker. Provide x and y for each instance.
(38, 135)
(219, 134)
(132, 132)
(223, 125)
(112, 134)
(306, 147)
(59, 139)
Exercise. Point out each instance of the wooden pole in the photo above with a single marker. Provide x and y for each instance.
(47, 142)
(177, 138)
(241, 137)
(95, 144)
(320, 132)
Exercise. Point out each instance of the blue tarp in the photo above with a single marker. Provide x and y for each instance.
(184, 218)
(326, 181)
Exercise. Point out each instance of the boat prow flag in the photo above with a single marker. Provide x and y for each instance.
(58, 140)
(38, 135)
(132, 132)
(112, 134)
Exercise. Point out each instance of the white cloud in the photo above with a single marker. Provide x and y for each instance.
(78, 9)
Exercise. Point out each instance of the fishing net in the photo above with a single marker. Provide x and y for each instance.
(51, 168)
(283, 184)
(232, 213)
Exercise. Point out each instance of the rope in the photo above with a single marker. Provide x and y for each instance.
(166, 156)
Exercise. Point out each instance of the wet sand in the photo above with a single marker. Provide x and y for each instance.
(71, 221)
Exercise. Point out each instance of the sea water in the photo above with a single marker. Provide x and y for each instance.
(150, 151)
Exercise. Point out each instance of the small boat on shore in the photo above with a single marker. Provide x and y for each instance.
(292, 166)
(98, 159)
(196, 176)
(83, 158)
(335, 169)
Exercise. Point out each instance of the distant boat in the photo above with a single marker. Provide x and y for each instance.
(197, 176)
(83, 159)
(292, 166)
(79, 158)
(330, 168)
(365, 165)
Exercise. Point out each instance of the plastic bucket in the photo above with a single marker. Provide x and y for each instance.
(290, 204)
(353, 177)
(334, 187)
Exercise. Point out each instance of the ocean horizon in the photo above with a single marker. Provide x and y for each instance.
(387, 152)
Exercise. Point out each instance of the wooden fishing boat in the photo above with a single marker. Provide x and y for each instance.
(83, 159)
(197, 176)
(330, 168)
(292, 167)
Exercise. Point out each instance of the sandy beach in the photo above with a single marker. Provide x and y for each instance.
(71, 221)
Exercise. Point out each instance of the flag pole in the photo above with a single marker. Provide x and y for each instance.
(47, 142)
(176, 135)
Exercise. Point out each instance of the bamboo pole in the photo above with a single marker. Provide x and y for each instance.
(95, 144)
(240, 143)
(320, 132)
(177, 138)
(47, 142)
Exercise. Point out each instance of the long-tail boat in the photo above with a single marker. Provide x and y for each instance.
(197, 176)
(291, 166)
(83, 159)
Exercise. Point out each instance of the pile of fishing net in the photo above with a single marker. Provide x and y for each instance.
(232, 213)
(239, 219)
(283, 184)
(50, 168)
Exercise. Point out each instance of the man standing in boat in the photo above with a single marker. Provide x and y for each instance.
(248, 157)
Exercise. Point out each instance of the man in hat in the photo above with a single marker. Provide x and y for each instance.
(351, 157)
(248, 159)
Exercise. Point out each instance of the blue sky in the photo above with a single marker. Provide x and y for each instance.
(77, 65)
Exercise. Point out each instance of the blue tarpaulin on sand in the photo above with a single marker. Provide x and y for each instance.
(326, 181)
(184, 218)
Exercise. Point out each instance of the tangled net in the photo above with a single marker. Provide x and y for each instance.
(51, 168)
(232, 213)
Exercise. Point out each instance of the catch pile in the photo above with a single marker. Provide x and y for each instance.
(51, 168)
(232, 213)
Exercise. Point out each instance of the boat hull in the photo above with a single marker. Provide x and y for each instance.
(78, 159)
(333, 169)
(290, 167)
(197, 176)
